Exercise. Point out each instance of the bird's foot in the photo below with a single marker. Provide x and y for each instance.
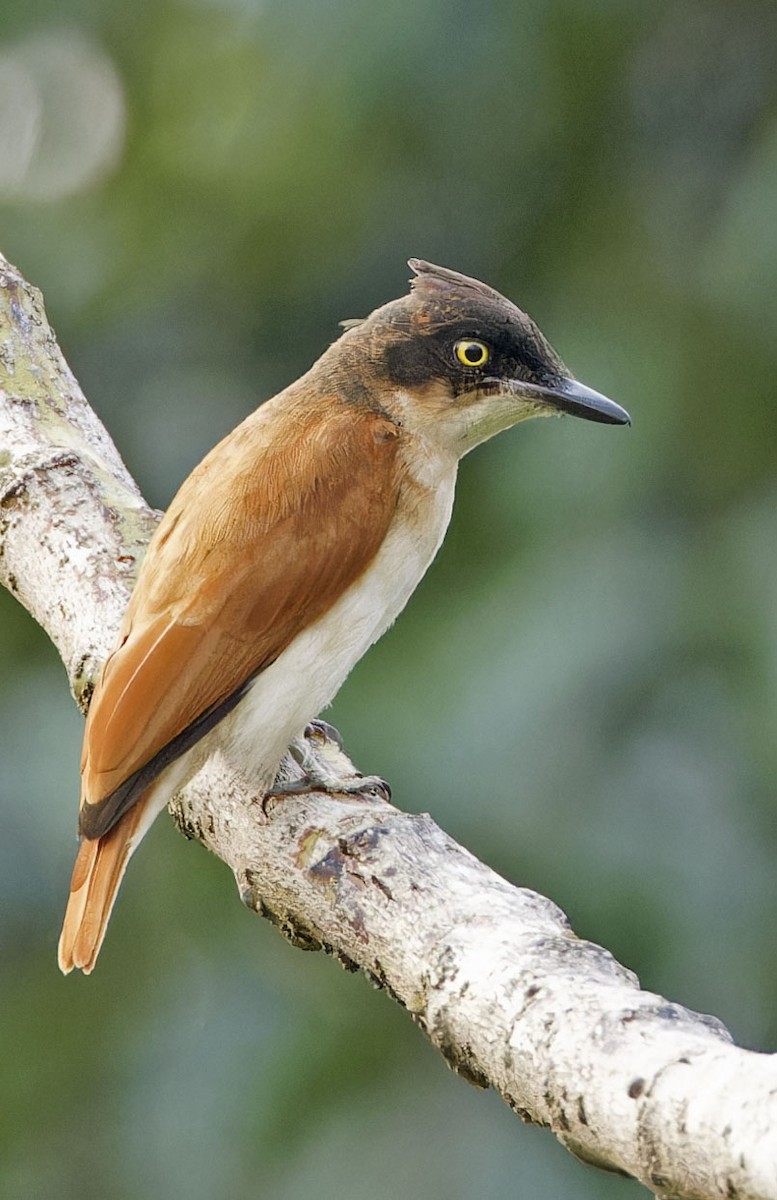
(316, 777)
(333, 785)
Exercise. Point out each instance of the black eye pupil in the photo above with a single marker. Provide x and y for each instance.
(473, 354)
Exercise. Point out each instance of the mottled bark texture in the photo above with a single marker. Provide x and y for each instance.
(492, 973)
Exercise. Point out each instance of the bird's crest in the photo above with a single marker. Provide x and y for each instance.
(433, 281)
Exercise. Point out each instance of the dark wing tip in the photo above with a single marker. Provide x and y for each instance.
(95, 820)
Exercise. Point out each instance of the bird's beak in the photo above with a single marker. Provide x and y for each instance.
(569, 396)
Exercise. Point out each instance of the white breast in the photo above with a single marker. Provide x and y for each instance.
(308, 674)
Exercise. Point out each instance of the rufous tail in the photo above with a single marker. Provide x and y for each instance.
(99, 867)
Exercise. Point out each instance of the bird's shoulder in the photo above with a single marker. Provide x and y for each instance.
(290, 472)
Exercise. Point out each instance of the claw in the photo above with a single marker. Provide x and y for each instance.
(374, 783)
(324, 731)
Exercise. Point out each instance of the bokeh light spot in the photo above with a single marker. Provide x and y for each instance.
(62, 116)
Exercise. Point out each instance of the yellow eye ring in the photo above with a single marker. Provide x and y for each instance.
(472, 353)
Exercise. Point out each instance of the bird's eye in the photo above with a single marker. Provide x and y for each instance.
(471, 352)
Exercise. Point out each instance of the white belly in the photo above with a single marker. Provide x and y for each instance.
(309, 673)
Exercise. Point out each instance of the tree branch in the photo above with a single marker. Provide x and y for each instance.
(492, 973)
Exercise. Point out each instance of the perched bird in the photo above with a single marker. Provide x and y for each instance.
(289, 550)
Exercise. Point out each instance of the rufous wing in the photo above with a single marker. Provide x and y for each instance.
(261, 540)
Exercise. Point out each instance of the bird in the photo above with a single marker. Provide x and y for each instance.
(289, 550)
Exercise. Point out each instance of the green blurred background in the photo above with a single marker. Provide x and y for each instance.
(584, 690)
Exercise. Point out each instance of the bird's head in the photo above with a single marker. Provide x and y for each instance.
(460, 360)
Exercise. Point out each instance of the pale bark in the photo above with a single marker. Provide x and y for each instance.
(491, 972)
